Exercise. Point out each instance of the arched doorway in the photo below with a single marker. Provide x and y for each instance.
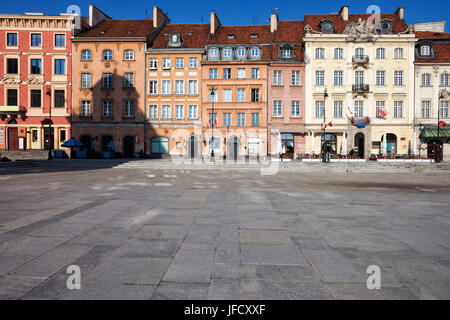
(287, 145)
(359, 145)
(105, 140)
(86, 140)
(128, 147)
(159, 146)
(193, 147)
(234, 145)
(13, 135)
(391, 144)
(433, 146)
(331, 142)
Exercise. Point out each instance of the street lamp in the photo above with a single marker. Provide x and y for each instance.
(50, 139)
(325, 95)
(442, 95)
(212, 124)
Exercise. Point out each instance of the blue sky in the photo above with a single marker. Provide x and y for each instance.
(240, 12)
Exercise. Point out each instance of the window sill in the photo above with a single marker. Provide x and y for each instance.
(107, 117)
(193, 94)
(277, 85)
(107, 88)
(128, 118)
(295, 85)
(85, 117)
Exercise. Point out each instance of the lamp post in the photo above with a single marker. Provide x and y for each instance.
(50, 139)
(325, 95)
(442, 95)
(212, 124)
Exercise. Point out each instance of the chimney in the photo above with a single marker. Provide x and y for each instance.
(96, 16)
(273, 22)
(401, 13)
(214, 24)
(159, 17)
(344, 13)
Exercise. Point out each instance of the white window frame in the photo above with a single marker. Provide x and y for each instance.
(153, 111)
(179, 111)
(277, 78)
(277, 108)
(295, 108)
(129, 55)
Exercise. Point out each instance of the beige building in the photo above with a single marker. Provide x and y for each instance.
(359, 81)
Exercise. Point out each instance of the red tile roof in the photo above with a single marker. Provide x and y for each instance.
(289, 31)
(193, 35)
(314, 20)
(432, 35)
(441, 45)
(242, 35)
(112, 28)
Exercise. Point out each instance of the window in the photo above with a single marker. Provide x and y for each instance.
(36, 67)
(320, 109)
(179, 86)
(62, 135)
(179, 63)
(359, 109)
(59, 98)
(425, 110)
(179, 111)
(381, 53)
(295, 108)
(129, 55)
(166, 63)
(165, 87)
(107, 55)
(241, 52)
(34, 135)
(295, 78)
(85, 108)
(60, 40)
(213, 120)
(255, 52)
(320, 53)
(35, 98)
(128, 109)
(255, 73)
(86, 55)
(193, 87)
(286, 53)
(107, 108)
(398, 109)
(227, 53)
(339, 53)
(379, 106)
(227, 95)
(320, 78)
(153, 63)
(12, 97)
(255, 95)
(241, 73)
(277, 108)
(359, 53)
(212, 95)
(241, 119)
(166, 112)
(227, 119)
(398, 53)
(214, 53)
(60, 66)
(426, 79)
(153, 111)
(398, 78)
(11, 39)
(276, 77)
(193, 112)
(337, 109)
(85, 80)
(193, 63)
(107, 80)
(255, 119)
(213, 73)
(425, 50)
(445, 79)
(444, 109)
(36, 40)
(240, 95)
(12, 66)
(338, 78)
(128, 80)
(227, 73)
(380, 78)
(152, 87)
(160, 145)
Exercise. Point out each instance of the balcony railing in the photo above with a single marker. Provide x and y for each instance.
(360, 88)
(360, 61)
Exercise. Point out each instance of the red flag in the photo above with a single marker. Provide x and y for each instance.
(442, 124)
(330, 124)
(215, 122)
(382, 112)
(208, 123)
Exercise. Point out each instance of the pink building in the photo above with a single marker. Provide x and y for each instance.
(286, 82)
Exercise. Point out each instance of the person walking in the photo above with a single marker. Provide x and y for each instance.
(111, 149)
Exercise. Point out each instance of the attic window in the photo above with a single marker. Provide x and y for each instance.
(130, 31)
(254, 36)
(102, 32)
(231, 36)
(189, 33)
(327, 26)
(385, 26)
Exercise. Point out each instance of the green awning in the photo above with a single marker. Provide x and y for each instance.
(432, 132)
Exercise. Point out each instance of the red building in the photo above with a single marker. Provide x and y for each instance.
(35, 81)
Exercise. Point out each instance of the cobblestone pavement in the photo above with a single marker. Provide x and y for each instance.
(225, 234)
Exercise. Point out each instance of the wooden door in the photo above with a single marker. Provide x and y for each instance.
(13, 139)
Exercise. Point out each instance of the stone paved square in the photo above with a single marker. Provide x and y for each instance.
(162, 233)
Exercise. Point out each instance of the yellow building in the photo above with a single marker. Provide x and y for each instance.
(360, 82)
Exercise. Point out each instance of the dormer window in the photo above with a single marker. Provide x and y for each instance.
(255, 52)
(425, 50)
(385, 26)
(227, 53)
(175, 40)
(326, 26)
(231, 36)
(253, 36)
(214, 53)
(241, 52)
(286, 53)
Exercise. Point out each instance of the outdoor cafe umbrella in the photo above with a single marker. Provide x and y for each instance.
(72, 143)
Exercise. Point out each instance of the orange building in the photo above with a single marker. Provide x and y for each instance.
(234, 77)
(109, 82)
(173, 124)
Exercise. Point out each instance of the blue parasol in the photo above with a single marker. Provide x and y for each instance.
(72, 143)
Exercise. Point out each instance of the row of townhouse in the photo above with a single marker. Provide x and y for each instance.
(286, 88)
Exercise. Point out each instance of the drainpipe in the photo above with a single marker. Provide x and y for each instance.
(145, 101)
